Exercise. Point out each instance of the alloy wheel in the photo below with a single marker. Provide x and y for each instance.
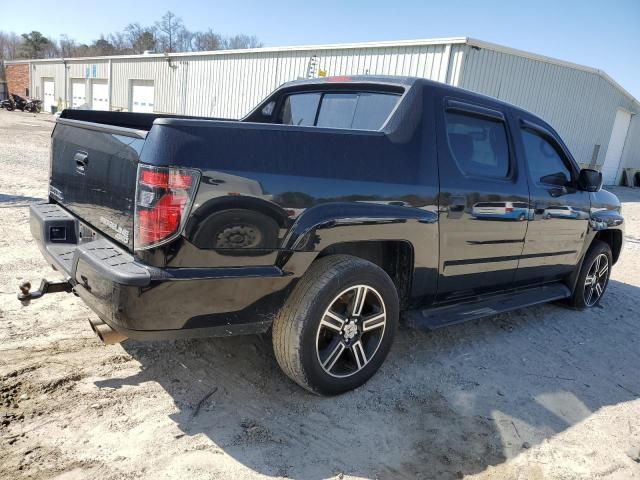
(351, 331)
(596, 280)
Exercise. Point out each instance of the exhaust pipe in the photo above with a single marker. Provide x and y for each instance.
(105, 333)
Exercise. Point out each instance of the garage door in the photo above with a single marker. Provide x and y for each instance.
(611, 166)
(142, 97)
(99, 95)
(78, 93)
(49, 94)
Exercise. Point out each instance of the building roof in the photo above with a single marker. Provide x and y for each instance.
(472, 42)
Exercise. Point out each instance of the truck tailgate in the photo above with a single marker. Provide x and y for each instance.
(93, 174)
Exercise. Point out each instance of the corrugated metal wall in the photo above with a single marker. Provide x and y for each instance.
(42, 71)
(580, 105)
(231, 85)
(631, 152)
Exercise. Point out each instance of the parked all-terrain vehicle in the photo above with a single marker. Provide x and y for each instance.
(33, 106)
(26, 104)
(334, 209)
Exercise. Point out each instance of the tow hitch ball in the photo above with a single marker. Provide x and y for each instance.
(45, 287)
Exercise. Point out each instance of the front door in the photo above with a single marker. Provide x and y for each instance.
(483, 202)
(557, 229)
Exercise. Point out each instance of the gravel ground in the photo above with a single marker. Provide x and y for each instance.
(544, 392)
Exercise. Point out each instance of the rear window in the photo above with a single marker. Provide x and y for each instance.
(351, 110)
(301, 109)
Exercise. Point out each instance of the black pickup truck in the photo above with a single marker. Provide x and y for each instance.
(332, 210)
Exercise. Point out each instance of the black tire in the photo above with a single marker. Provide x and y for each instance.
(298, 332)
(583, 295)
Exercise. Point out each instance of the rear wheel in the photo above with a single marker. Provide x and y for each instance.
(337, 326)
(594, 276)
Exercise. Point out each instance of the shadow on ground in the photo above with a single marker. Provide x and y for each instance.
(12, 201)
(445, 403)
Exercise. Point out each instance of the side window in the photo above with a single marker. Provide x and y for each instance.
(300, 109)
(478, 144)
(544, 161)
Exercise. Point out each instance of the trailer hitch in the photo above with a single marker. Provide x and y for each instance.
(46, 286)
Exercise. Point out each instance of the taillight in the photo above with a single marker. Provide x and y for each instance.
(508, 209)
(163, 198)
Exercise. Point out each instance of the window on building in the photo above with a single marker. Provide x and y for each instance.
(544, 160)
(478, 144)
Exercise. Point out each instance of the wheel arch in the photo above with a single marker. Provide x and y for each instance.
(395, 257)
(612, 237)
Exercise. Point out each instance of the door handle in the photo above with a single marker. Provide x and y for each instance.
(81, 159)
(458, 203)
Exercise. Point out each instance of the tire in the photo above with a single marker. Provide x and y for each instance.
(583, 295)
(521, 217)
(317, 351)
(237, 229)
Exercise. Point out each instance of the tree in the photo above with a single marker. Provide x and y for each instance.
(102, 47)
(169, 28)
(207, 41)
(140, 38)
(184, 41)
(9, 45)
(168, 35)
(34, 44)
(67, 46)
(119, 42)
(242, 41)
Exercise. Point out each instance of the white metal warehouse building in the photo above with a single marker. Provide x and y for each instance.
(596, 117)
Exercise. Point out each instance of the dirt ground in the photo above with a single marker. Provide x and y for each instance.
(544, 392)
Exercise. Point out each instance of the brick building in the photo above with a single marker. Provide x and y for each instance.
(17, 77)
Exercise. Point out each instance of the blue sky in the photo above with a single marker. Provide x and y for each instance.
(603, 34)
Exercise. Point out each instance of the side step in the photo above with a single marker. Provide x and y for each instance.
(443, 316)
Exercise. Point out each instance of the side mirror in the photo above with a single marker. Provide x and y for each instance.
(590, 180)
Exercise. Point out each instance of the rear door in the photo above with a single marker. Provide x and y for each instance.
(480, 239)
(558, 226)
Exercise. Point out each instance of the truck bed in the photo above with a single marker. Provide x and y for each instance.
(136, 121)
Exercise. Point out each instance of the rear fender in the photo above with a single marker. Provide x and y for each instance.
(336, 223)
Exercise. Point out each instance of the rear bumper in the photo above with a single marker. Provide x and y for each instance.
(149, 303)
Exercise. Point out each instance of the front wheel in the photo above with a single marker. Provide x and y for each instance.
(594, 276)
(337, 326)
